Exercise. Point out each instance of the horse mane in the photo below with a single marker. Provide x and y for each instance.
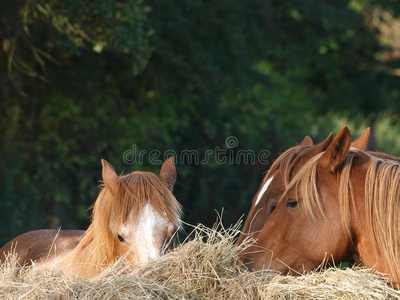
(305, 184)
(286, 162)
(382, 200)
(110, 211)
(383, 155)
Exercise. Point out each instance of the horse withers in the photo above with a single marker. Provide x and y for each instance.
(135, 216)
(340, 204)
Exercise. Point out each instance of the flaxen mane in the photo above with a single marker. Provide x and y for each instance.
(286, 162)
(382, 200)
(110, 211)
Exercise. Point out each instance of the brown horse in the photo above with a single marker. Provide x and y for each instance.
(339, 204)
(135, 216)
(264, 202)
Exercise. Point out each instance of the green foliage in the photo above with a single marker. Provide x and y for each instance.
(99, 25)
(39, 32)
(387, 132)
(85, 80)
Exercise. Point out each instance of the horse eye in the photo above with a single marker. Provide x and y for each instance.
(273, 206)
(121, 239)
(291, 203)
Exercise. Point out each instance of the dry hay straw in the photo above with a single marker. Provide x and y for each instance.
(202, 268)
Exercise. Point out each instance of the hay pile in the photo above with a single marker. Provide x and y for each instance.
(199, 269)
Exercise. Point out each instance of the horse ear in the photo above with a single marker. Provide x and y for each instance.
(362, 141)
(110, 178)
(322, 146)
(337, 151)
(327, 141)
(307, 141)
(168, 173)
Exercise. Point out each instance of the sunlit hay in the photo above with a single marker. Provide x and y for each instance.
(334, 283)
(201, 268)
(204, 266)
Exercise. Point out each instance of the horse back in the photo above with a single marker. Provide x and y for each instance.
(41, 245)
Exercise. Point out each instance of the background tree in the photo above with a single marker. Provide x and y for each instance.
(85, 80)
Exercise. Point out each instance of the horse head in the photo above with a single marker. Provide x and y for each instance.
(339, 204)
(135, 216)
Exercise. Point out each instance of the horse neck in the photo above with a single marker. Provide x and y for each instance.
(369, 257)
(375, 217)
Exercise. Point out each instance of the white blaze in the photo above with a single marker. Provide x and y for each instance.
(263, 190)
(146, 234)
(145, 243)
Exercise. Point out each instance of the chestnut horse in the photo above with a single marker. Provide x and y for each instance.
(264, 202)
(135, 216)
(342, 203)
